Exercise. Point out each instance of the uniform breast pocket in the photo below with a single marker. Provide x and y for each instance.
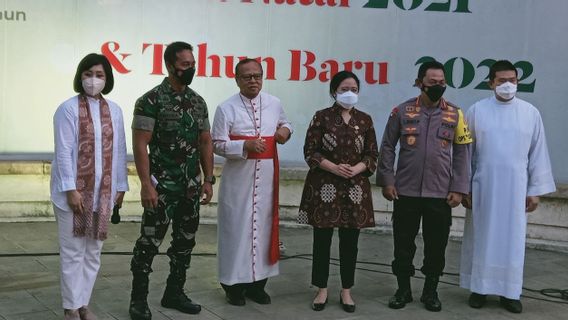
(168, 127)
(409, 136)
(446, 136)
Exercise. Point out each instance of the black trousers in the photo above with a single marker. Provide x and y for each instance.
(436, 217)
(348, 240)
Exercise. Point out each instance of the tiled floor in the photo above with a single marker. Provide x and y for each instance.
(29, 285)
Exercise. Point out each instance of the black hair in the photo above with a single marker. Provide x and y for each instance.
(501, 65)
(338, 79)
(427, 66)
(245, 61)
(90, 60)
(170, 54)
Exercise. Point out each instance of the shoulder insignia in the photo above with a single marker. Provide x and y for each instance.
(394, 111)
(462, 135)
(449, 119)
(412, 115)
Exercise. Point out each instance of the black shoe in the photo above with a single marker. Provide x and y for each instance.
(319, 306)
(431, 301)
(477, 300)
(139, 310)
(235, 298)
(512, 305)
(176, 299)
(259, 296)
(346, 307)
(400, 299)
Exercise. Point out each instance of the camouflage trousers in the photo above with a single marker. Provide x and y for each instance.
(184, 215)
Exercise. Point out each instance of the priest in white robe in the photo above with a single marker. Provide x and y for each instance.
(245, 131)
(510, 170)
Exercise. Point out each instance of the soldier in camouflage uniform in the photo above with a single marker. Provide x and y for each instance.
(172, 120)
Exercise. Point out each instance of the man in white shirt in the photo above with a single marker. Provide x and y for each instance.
(510, 169)
(245, 131)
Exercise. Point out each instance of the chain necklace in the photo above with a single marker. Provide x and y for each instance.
(251, 115)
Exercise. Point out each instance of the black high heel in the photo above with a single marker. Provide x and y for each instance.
(319, 306)
(346, 307)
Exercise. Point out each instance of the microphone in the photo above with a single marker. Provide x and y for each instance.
(115, 219)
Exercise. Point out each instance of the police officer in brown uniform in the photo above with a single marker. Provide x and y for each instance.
(431, 177)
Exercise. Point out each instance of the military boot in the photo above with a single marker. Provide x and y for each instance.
(430, 294)
(403, 294)
(139, 309)
(175, 297)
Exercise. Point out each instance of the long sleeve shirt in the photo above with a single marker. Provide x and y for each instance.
(433, 158)
(66, 135)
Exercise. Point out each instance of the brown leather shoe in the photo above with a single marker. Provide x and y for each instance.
(71, 314)
(86, 314)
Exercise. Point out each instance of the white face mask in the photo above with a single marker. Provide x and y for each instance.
(93, 85)
(347, 99)
(506, 91)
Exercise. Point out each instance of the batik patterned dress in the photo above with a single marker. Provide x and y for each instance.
(329, 200)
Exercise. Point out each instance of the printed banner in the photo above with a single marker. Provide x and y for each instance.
(300, 43)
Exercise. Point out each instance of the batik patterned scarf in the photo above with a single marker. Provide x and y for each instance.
(93, 224)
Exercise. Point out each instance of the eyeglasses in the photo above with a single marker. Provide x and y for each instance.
(249, 77)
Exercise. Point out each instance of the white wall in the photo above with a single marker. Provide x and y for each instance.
(41, 43)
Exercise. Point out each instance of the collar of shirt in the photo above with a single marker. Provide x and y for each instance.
(168, 89)
(254, 101)
(337, 108)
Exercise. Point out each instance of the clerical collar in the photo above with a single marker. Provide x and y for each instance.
(504, 102)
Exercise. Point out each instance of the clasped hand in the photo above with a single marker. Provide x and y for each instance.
(255, 145)
(347, 171)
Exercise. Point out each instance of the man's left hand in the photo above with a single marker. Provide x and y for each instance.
(206, 193)
(531, 203)
(454, 199)
(282, 135)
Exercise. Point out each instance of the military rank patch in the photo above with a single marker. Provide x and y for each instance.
(463, 135)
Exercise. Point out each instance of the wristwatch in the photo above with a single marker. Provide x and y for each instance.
(210, 179)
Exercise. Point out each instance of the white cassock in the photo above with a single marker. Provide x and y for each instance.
(509, 162)
(246, 193)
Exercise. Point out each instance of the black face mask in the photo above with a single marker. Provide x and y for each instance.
(186, 75)
(434, 92)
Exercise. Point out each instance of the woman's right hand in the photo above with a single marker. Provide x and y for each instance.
(75, 201)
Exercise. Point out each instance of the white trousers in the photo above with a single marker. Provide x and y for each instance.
(80, 259)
